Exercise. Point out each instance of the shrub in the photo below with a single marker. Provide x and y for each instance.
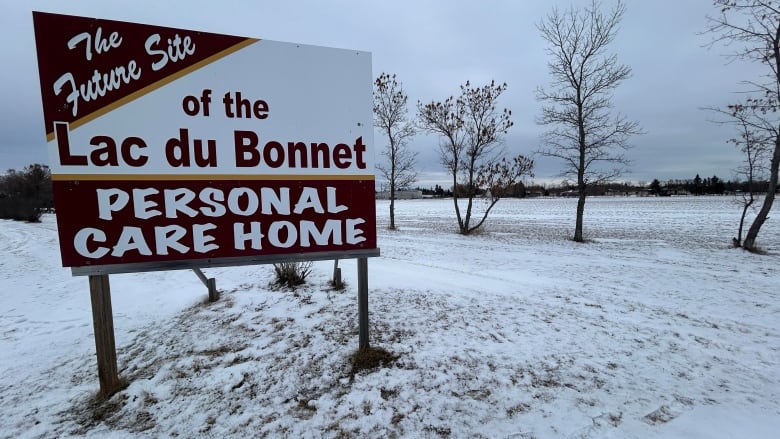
(292, 274)
(25, 194)
(20, 209)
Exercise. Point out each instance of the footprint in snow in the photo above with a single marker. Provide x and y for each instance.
(667, 412)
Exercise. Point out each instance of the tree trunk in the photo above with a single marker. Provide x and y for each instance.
(470, 188)
(455, 199)
(464, 228)
(392, 208)
(580, 215)
(763, 214)
(392, 180)
(484, 217)
(745, 208)
(581, 186)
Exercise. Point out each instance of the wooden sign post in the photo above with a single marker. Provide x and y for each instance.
(103, 324)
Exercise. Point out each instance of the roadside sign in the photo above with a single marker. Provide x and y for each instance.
(172, 148)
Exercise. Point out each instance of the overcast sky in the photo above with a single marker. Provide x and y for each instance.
(433, 47)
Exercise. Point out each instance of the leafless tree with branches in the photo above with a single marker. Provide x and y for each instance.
(471, 133)
(390, 116)
(752, 29)
(755, 146)
(584, 133)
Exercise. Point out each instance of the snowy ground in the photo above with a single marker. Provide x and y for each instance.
(655, 329)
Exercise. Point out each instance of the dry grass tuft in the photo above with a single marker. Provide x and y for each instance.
(370, 359)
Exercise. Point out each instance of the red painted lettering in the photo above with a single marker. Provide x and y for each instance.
(246, 143)
(63, 146)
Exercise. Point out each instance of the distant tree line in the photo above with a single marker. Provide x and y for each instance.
(705, 186)
(25, 195)
(694, 186)
(514, 190)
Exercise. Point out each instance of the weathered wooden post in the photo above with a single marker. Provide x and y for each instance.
(103, 324)
(362, 268)
(211, 284)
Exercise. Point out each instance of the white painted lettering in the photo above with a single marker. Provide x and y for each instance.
(330, 233)
(84, 237)
(132, 238)
(166, 237)
(309, 199)
(272, 201)
(241, 236)
(111, 200)
(101, 45)
(178, 49)
(354, 235)
(275, 231)
(212, 198)
(333, 206)
(143, 207)
(97, 86)
(201, 242)
(234, 198)
(177, 200)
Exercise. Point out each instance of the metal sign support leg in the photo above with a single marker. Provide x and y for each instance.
(362, 268)
(210, 283)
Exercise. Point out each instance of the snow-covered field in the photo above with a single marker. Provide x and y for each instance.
(655, 329)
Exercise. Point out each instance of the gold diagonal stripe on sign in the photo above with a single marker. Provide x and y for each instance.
(155, 85)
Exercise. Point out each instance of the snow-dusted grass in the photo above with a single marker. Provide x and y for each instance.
(656, 328)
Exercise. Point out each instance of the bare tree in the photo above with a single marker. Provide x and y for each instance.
(390, 115)
(755, 146)
(584, 133)
(471, 133)
(752, 29)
